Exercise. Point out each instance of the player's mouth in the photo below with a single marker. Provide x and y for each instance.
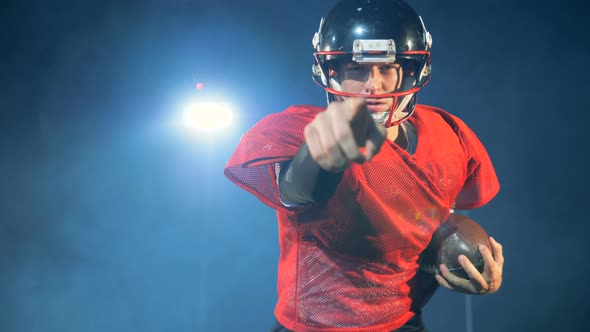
(378, 105)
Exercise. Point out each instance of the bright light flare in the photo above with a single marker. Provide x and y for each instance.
(208, 116)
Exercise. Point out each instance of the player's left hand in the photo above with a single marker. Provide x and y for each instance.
(487, 282)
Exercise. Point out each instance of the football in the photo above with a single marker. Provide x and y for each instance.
(458, 235)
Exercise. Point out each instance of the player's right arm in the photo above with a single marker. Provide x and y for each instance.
(332, 141)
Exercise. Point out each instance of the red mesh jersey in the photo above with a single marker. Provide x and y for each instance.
(350, 264)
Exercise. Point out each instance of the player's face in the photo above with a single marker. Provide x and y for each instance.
(370, 79)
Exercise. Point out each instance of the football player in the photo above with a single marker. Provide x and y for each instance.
(361, 185)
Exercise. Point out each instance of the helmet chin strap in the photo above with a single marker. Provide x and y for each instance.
(380, 117)
(388, 118)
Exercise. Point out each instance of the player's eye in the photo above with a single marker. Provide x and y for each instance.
(355, 69)
(388, 68)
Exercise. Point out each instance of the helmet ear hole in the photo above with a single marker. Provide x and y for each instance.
(426, 70)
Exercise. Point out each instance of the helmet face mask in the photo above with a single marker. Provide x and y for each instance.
(374, 49)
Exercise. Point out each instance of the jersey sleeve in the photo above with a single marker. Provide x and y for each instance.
(274, 139)
(481, 184)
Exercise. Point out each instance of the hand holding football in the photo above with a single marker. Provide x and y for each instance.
(458, 235)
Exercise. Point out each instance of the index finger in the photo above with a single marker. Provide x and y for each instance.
(366, 131)
(472, 272)
(375, 138)
(355, 105)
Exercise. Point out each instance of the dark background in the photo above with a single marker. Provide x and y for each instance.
(114, 219)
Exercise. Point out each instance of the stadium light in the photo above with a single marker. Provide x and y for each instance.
(207, 116)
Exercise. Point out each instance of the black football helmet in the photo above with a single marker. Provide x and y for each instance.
(374, 32)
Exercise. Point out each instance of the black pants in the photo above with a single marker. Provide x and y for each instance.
(415, 324)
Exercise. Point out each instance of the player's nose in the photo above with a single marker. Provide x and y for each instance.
(374, 80)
